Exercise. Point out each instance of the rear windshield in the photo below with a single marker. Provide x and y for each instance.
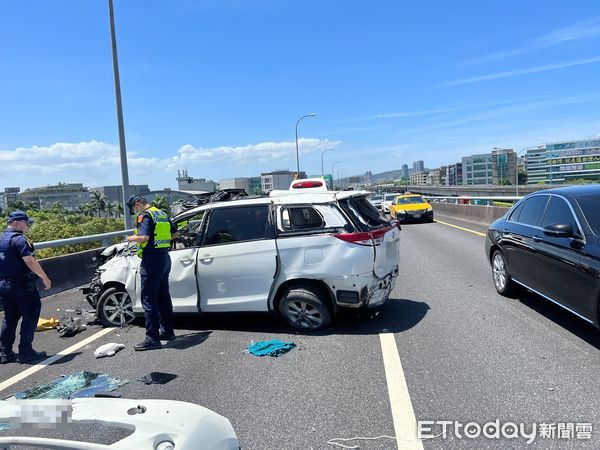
(363, 214)
(390, 197)
(590, 206)
(376, 197)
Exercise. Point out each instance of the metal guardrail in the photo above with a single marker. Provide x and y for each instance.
(468, 197)
(104, 238)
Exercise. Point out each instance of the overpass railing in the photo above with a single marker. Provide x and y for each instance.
(104, 239)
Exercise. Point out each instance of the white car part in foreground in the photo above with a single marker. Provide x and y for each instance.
(156, 424)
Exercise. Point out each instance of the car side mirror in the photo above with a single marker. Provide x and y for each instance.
(559, 230)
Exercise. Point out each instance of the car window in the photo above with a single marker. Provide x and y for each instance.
(591, 211)
(190, 231)
(227, 225)
(301, 218)
(362, 213)
(558, 211)
(514, 214)
(390, 197)
(532, 210)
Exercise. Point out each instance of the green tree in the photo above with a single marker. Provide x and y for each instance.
(161, 203)
(99, 202)
(111, 209)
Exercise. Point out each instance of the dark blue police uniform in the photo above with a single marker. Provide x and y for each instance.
(154, 273)
(19, 293)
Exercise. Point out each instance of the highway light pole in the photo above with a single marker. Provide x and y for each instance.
(122, 147)
(333, 175)
(297, 154)
(322, 153)
(517, 164)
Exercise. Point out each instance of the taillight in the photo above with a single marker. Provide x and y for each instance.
(374, 237)
(356, 238)
(307, 184)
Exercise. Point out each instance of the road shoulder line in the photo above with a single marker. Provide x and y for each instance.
(403, 415)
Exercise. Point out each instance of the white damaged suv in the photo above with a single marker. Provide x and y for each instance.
(301, 254)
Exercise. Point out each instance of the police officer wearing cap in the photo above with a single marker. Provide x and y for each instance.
(18, 271)
(153, 234)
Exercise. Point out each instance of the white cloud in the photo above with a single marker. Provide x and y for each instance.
(96, 163)
(513, 73)
(585, 29)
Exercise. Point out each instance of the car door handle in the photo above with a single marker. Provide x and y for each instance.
(186, 260)
(206, 259)
(536, 239)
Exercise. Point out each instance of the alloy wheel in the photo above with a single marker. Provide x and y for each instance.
(304, 314)
(118, 309)
(499, 272)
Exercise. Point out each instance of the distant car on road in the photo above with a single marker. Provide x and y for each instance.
(549, 243)
(411, 207)
(376, 200)
(388, 199)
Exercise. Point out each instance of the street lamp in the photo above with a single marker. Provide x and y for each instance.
(333, 174)
(122, 148)
(517, 164)
(297, 155)
(322, 153)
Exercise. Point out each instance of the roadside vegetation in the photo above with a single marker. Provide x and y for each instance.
(94, 217)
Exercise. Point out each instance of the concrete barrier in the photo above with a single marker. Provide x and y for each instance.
(483, 215)
(69, 271)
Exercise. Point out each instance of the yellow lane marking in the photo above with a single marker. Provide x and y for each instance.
(33, 369)
(461, 228)
(403, 415)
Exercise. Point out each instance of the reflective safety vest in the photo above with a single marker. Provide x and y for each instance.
(162, 229)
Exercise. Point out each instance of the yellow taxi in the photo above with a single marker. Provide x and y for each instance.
(411, 207)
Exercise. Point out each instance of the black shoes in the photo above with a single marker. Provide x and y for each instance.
(6, 358)
(31, 356)
(167, 337)
(147, 345)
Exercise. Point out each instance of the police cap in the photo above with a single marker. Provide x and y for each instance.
(19, 215)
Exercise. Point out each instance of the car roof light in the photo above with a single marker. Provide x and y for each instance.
(307, 184)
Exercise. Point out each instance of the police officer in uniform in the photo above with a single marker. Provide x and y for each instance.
(153, 234)
(18, 271)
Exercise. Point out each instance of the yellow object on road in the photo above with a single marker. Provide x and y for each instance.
(46, 324)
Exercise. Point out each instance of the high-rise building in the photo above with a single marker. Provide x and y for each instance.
(561, 162)
(404, 171)
(418, 166)
(477, 169)
(504, 165)
(455, 175)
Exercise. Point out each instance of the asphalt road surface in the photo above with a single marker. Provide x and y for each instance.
(467, 354)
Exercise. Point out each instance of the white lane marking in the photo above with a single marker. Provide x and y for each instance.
(405, 422)
(39, 366)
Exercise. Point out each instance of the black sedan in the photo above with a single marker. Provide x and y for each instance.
(549, 243)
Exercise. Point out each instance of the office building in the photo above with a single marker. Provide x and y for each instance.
(69, 196)
(197, 185)
(235, 183)
(477, 169)
(504, 166)
(277, 180)
(114, 194)
(562, 162)
(418, 178)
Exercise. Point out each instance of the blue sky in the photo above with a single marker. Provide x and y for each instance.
(216, 87)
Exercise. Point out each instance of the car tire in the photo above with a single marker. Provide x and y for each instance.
(503, 282)
(304, 308)
(115, 308)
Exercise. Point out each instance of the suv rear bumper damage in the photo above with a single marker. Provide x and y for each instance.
(362, 291)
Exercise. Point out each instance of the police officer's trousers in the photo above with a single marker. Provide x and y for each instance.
(21, 300)
(156, 299)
